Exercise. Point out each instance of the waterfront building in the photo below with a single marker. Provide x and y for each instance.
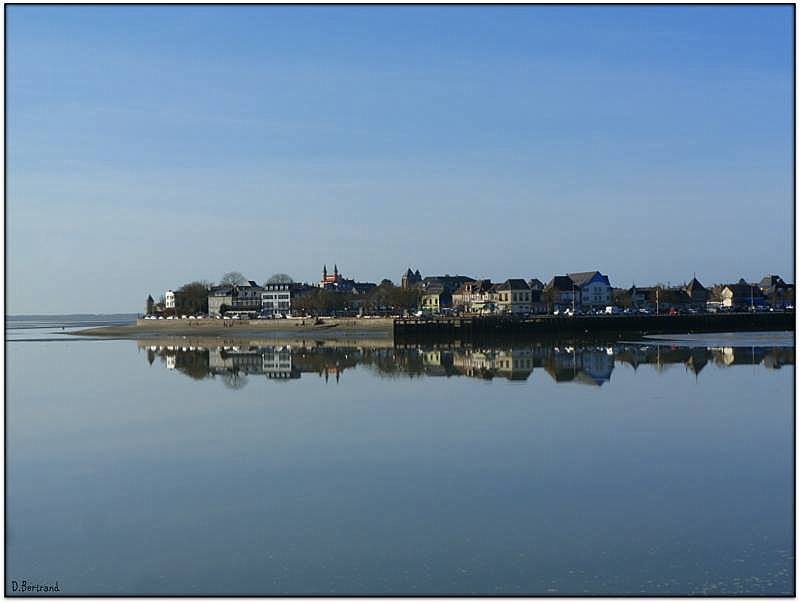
(741, 295)
(276, 298)
(595, 288)
(698, 295)
(435, 297)
(513, 297)
(169, 299)
(776, 291)
(244, 299)
(562, 293)
(771, 284)
(642, 298)
(475, 296)
(220, 299)
(450, 283)
(676, 298)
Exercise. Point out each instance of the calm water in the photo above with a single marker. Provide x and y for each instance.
(664, 467)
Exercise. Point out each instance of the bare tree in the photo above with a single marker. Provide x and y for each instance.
(280, 279)
(233, 278)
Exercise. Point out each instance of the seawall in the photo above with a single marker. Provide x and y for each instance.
(478, 329)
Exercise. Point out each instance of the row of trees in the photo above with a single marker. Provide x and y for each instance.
(237, 278)
(383, 298)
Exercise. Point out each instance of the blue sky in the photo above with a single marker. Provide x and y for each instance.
(151, 146)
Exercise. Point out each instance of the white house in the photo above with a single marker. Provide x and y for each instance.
(169, 298)
(276, 299)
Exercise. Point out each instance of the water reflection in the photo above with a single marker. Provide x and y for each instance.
(589, 364)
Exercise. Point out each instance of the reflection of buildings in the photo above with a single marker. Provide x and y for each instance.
(513, 364)
(578, 363)
(771, 357)
(592, 366)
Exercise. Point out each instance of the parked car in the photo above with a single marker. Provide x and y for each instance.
(612, 310)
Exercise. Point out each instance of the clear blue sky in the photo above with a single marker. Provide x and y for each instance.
(151, 146)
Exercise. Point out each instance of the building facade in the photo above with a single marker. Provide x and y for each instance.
(741, 295)
(435, 298)
(562, 293)
(513, 297)
(595, 289)
(276, 299)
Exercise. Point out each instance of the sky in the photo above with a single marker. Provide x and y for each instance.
(149, 146)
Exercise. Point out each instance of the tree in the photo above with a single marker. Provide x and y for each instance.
(233, 278)
(280, 279)
(321, 301)
(387, 296)
(192, 298)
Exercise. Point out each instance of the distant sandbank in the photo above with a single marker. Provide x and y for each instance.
(288, 328)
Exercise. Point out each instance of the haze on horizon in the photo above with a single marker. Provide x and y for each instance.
(148, 146)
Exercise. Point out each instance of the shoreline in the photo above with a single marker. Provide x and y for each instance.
(285, 328)
(442, 329)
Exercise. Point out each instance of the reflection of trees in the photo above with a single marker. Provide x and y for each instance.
(234, 380)
(391, 363)
(193, 363)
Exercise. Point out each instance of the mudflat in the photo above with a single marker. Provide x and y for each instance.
(347, 328)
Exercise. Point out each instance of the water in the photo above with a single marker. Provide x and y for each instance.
(621, 468)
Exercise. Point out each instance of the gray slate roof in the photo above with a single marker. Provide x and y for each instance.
(513, 283)
(581, 278)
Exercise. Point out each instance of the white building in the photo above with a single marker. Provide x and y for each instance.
(276, 299)
(169, 298)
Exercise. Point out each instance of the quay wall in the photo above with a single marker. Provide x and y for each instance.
(491, 328)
